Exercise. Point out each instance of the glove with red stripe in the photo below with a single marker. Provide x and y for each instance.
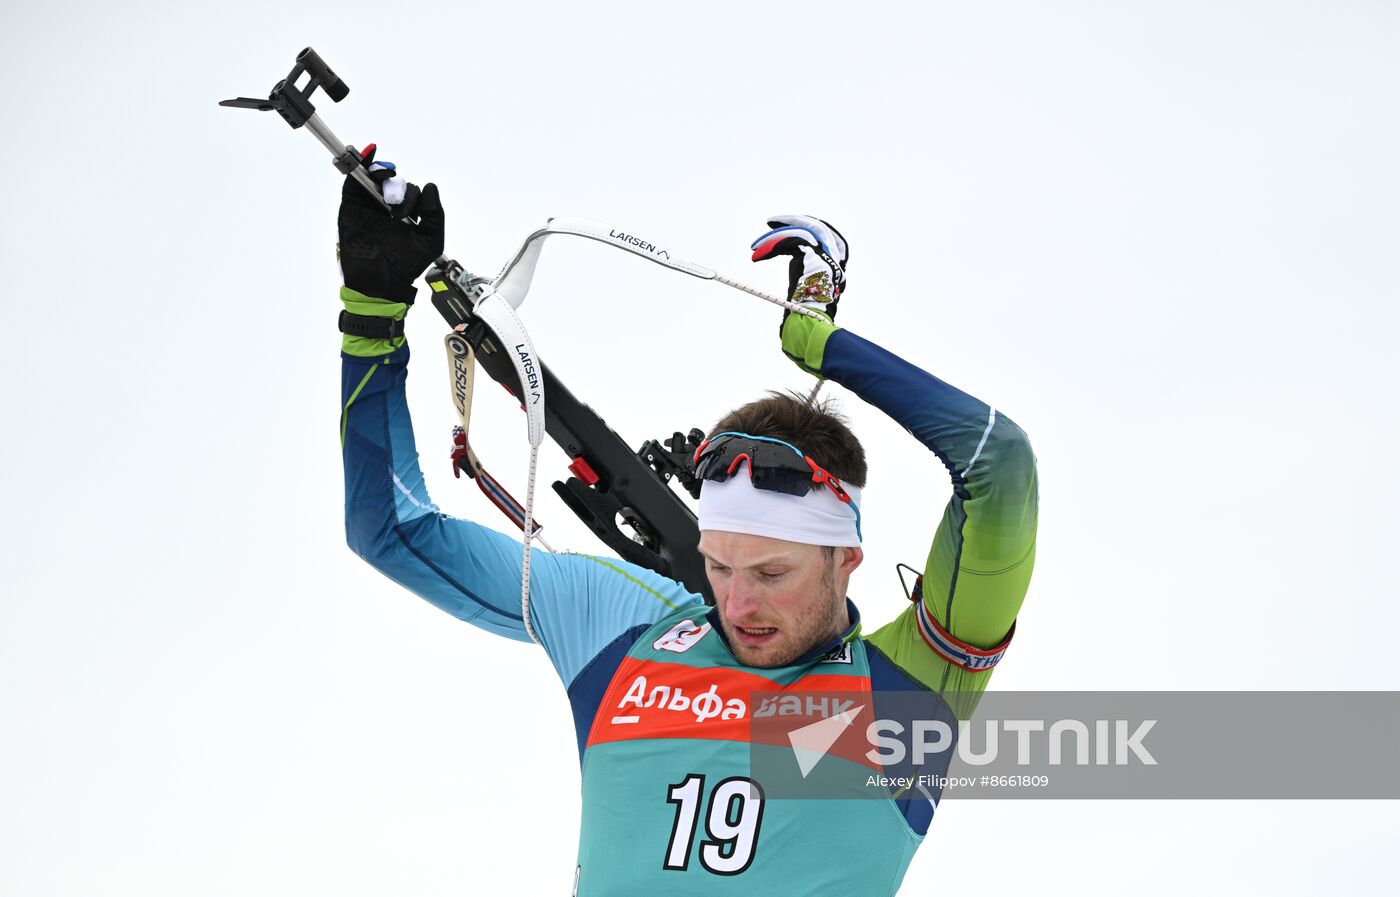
(817, 256)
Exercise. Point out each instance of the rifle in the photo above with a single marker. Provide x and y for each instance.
(611, 485)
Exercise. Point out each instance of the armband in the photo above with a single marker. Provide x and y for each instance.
(956, 651)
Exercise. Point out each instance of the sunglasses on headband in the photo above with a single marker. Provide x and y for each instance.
(773, 464)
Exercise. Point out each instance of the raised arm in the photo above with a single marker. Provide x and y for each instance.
(578, 603)
(979, 566)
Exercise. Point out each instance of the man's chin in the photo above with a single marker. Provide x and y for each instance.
(762, 656)
(759, 662)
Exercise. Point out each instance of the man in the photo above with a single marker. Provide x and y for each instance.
(663, 689)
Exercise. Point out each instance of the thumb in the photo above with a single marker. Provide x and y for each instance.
(783, 241)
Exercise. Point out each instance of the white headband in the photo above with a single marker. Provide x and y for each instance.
(817, 518)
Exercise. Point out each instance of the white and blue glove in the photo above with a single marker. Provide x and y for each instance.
(817, 259)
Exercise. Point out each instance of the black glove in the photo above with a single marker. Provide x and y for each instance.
(380, 254)
(817, 259)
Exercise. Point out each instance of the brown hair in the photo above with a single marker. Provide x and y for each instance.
(814, 427)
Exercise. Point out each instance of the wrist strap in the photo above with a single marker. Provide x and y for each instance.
(371, 326)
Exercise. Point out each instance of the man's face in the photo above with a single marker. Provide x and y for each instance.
(777, 600)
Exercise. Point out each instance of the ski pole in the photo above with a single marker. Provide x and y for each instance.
(295, 107)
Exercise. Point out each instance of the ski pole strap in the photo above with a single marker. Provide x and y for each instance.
(370, 326)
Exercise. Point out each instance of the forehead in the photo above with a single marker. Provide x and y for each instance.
(742, 549)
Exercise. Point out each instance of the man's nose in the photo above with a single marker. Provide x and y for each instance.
(740, 602)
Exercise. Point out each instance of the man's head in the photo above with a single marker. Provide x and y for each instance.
(779, 564)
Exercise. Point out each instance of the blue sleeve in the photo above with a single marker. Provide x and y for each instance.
(578, 603)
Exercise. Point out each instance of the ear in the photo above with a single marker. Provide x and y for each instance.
(848, 559)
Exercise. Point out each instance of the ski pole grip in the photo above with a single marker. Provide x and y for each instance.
(330, 81)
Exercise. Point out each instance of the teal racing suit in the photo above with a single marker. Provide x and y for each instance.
(662, 708)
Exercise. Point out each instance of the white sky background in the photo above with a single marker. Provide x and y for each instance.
(1159, 236)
